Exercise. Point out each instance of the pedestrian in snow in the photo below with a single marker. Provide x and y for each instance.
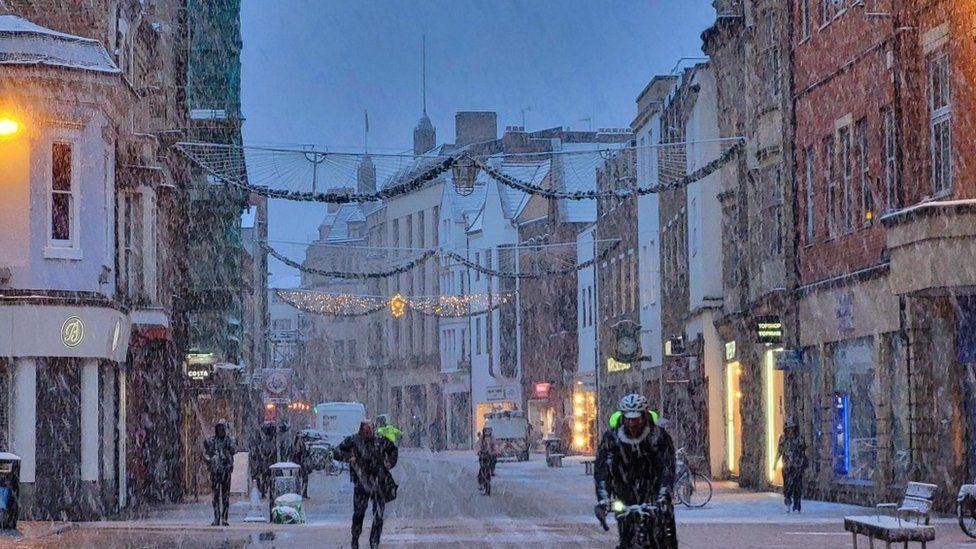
(793, 451)
(416, 428)
(265, 455)
(488, 448)
(434, 432)
(370, 458)
(218, 451)
(302, 456)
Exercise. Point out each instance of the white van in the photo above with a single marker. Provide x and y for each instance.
(337, 420)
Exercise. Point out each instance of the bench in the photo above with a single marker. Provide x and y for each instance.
(589, 464)
(898, 528)
(554, 460)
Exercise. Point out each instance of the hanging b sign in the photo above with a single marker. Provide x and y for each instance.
(72, 332)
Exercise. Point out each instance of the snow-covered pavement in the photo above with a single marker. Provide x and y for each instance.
(439, 506)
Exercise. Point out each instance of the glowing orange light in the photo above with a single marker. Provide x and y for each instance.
(8, 126)
(269, 406)
(869, 215)
(398, 306)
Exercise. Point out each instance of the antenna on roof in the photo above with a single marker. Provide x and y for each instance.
(424, 49)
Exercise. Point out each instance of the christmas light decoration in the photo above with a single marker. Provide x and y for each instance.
(398, 306)
(350, 275)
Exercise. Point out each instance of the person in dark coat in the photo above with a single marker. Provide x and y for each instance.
(793, 451)
(302, 456)
(635, 464)
(265, 455)
(218, 452)
(370, 458)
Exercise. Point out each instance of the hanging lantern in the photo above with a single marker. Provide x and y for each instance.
(465, 172)
(398, 306)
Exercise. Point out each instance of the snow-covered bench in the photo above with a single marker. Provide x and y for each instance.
(917, 504)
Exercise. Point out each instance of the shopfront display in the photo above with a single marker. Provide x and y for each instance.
(774, 414)
(585, 431)
(733, 416)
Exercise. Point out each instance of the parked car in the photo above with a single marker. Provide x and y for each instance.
(511, 431)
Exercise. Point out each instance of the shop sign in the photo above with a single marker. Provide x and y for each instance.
(277, 381)
(788, 360)
(496, 393)
(541, 389)
(72, 332)
(730, 350)
(198, 371)
(614, 365)
(769, 329)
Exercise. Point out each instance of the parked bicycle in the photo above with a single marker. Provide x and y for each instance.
(692, 488)
(966, 509)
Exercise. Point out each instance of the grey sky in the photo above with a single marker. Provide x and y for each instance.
(312, 66)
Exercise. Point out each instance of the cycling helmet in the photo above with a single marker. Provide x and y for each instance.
(632, 406)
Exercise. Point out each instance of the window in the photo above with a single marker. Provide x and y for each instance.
(847, 173)
(283, 324)
(856, 452)
(804, 10)
(477, 261)
(478, 335)
(421, 229)
(889, 137)
(62, 195)
(826, 11)
(776, 235)
(811, 220)
(409, 228)
(831, 175)
(771, 54)
(132, 245)
(396, 234)
(633, 281)
(867, 197)
(940, 112)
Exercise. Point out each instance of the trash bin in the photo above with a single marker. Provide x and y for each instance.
(284, 480)
(9, 490)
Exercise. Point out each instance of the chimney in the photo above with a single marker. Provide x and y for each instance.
(475, 127)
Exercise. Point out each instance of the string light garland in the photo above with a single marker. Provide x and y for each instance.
(233, 172)
(531, 275)
(347, 274)
(226, 163)
(677, 183)
(348, 305)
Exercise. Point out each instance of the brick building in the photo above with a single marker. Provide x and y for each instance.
(885, 229)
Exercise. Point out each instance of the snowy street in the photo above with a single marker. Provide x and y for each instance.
(439, 506)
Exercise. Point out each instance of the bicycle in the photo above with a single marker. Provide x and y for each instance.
(652, 524)
(692, 488)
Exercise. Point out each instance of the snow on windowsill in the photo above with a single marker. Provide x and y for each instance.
(56, 252)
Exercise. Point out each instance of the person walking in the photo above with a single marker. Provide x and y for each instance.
(487, 455)
(265, 454)
(218, 452)
(793, 451)
(385, 429)
(370, 458)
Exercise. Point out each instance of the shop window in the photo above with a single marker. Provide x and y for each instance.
(63, 203)
(811, 358)
(855, 433)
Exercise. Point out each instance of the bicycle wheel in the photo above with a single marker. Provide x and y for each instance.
(694, 489)
(966, 511)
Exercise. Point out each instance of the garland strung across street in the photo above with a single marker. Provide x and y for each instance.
(348, 305)
(678, 183)
(350, 275)
(531, 275)
(417, 182)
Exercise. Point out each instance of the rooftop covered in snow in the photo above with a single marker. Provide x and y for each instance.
(24, 43)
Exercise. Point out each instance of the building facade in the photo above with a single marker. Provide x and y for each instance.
(92, 253)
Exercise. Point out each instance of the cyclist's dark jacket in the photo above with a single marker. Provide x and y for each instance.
(634, 470)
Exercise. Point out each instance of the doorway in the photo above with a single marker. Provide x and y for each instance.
(733, 416)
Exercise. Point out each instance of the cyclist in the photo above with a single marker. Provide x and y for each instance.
(635, 464)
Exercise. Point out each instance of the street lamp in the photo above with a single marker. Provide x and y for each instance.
(8, 126)
(465, 172)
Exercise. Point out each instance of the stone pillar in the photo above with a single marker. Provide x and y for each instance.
(23, 428)
(89, 420)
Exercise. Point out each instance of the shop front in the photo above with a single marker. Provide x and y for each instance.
(585, 429)
(64, 403)
(500, 398)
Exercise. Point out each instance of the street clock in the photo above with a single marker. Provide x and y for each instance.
(626, 341)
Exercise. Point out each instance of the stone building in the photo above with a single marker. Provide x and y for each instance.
(885, 251)
(747, 45)
(690, 263)
(92, 111)
(615, 242)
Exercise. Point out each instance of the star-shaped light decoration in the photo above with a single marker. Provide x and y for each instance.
(398, 306)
